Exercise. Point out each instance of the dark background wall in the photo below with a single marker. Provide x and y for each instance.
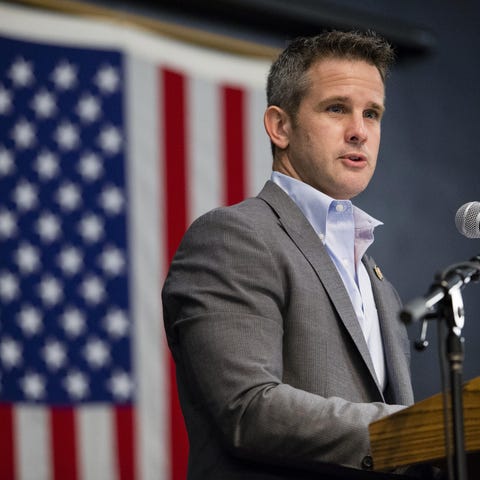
(429, 161)
(429, 166)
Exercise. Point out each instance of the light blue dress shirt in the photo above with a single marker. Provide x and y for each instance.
(347, 232)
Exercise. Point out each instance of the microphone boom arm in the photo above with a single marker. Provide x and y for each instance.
(455, 277)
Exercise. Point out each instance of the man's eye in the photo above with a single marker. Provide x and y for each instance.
(371, 114)
(336, 108)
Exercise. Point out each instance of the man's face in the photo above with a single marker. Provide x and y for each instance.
(332, 143)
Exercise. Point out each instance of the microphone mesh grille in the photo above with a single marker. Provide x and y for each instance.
(467, 220)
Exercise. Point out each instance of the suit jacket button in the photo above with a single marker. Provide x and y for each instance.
(367, 462)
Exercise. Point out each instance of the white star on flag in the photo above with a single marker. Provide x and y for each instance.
(110, 140)
(90, 167)
(47, 165)
(112, 260)
(66, 135)
(6, 162)
(50, 291)
(68, 196)
(88, 108)
(92, 290)
(107, 79)
(23, 134)
(30, 320)
(121, 385)
(25, 195)
(96, 353)
(65, 75)
(33, 386)
(9, 288)
(48, 227)
(116, 323)
(90, 228)
(43, 104)
(73, 322)
(10, 353)
(76, 384)
(27, 258)
(8, 224)
(70, 260)
(21, 72)
(112, 200)
(54, 354)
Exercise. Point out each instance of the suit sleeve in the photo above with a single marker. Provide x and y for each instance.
(223, 301)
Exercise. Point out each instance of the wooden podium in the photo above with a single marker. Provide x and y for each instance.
(417, 435)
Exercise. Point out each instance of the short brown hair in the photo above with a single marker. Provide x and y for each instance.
(287, 81)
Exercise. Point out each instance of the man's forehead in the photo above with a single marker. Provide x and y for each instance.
(341, 75)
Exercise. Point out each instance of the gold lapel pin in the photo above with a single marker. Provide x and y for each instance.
(378, 272)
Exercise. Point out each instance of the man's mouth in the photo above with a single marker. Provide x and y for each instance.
(354, 157)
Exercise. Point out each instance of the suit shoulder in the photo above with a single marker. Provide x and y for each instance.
(250, 213)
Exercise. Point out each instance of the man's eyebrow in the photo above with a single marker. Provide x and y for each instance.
(333, 99)
(344, 99)
(377, 106)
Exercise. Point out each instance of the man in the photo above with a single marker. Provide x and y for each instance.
(284, 333)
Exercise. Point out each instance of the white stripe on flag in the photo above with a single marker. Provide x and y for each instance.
(205, 170)
(258, 153)
(96, 442)
(147, 247)
(33, 442)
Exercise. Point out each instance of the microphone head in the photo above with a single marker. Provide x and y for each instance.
(467, 219)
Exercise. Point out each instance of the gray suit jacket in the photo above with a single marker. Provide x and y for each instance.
(272, 366)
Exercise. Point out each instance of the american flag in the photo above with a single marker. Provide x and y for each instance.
(111, 142)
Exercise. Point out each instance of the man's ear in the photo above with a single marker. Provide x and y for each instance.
(278, 126)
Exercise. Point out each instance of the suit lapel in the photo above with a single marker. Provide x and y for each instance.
(397, 365)
(303, 235)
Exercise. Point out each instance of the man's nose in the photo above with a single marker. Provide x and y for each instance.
(356, 131)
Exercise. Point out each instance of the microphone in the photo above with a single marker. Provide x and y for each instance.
(467, 219)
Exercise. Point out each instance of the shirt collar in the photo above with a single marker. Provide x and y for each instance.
(315, 206)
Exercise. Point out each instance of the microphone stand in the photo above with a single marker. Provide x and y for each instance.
(454, 316)
(444, 301)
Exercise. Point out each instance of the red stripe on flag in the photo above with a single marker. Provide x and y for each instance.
(175, 160)
(175, 175)
(64, 444)
(7, 448)
(125, 435)
(233, 144)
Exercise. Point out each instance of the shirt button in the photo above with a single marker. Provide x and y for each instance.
(339, 207)
(367, 462)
